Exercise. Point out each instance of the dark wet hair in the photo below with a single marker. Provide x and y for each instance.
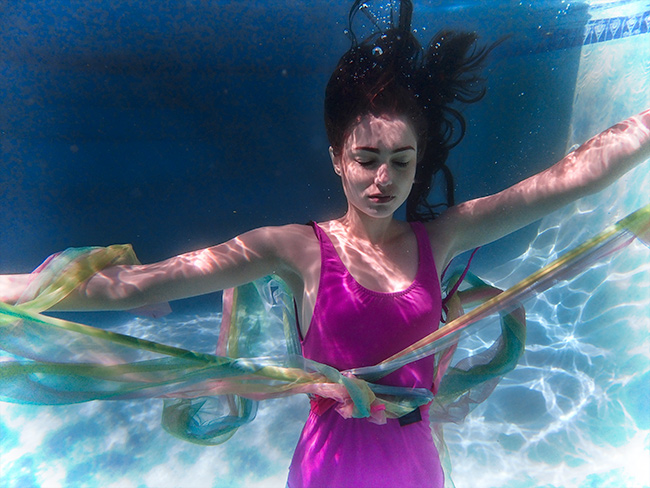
(389, 73)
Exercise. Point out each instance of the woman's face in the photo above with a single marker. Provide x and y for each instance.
(377, 164)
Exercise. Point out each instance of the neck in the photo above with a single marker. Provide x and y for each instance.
(375, 230)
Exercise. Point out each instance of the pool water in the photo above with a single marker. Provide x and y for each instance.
(574, 412)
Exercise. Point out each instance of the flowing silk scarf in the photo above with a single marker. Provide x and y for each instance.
(207, 397)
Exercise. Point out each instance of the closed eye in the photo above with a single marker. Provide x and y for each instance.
(364, 162)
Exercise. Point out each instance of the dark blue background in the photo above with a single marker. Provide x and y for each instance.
(176, 125)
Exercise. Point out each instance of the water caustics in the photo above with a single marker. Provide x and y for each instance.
(70, 363)
(573, 413)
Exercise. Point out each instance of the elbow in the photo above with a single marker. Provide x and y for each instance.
(110, 289)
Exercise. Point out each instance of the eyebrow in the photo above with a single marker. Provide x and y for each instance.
(376, 151)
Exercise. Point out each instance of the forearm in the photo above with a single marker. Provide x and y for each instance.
(108, 289)
(603, 159)
(103, 297)
(593, 166)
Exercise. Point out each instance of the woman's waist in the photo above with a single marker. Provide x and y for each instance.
(324, 410)
(418, 374)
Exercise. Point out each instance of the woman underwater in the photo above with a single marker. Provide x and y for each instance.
(367, 285)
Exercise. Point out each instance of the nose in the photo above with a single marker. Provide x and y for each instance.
(384, 176)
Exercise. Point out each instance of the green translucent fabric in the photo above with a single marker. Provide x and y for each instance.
(208, 396)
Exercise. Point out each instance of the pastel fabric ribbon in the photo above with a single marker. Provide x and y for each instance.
(208, 396)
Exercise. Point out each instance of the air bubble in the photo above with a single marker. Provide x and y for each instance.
(377, 51)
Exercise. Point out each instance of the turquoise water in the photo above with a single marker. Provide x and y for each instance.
(573, 414)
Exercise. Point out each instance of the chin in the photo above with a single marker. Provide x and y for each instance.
(380, 213)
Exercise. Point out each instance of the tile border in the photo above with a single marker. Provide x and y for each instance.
(602, 30)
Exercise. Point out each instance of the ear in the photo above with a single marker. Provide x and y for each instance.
(336, 161)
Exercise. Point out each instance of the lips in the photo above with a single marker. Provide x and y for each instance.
(381, 198)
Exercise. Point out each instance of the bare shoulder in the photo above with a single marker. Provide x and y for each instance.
(297, 253)
(277, 237)
(295, 245)
(289, 238)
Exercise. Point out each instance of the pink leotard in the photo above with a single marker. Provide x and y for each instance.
(352, 327)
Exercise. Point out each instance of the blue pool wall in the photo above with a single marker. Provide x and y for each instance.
(175, 128)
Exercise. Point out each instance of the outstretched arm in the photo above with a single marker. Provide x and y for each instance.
(245, 258)
(590, 168)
